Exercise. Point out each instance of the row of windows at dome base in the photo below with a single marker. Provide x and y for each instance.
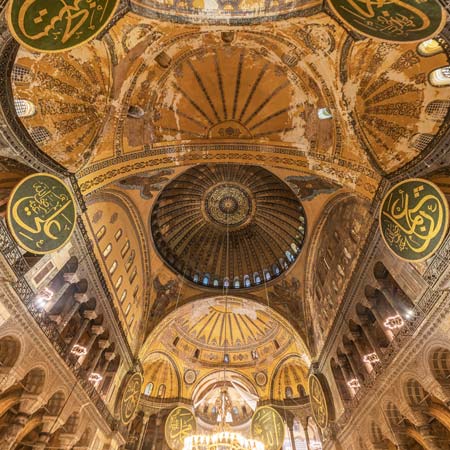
(246, 281)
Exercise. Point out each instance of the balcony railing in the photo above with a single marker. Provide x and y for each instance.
(20, 267)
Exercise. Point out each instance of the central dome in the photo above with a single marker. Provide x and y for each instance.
(228, 226)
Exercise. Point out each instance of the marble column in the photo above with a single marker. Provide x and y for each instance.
(109, 356)
(432, 441)
(96, 331)
(69, 278)
(87, 317)
(79, 299)
(290, 425)
(305, 430)
(155, 437)
(355, 360)
(371, 337)
(145, 420)
(103, 344)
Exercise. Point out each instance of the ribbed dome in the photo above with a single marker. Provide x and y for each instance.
(228, 225)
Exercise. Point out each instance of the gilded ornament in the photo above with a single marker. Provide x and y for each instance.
(392, 20)
(319, 398)
(58, 25)
(268, 428)
(414, 219)
(179, 425)
(41, 213)
(130, 397)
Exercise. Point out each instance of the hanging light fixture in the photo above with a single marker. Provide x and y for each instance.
(223, 439)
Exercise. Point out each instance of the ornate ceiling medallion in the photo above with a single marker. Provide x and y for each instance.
(228, 226)
(57, 25)
(399, 21)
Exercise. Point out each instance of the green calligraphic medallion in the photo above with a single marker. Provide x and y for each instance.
(320, 400)
(41, 213)
(414, 219)
(179, 425)
(58, 25)
(268, 428)
(392, 20)
(131, 392)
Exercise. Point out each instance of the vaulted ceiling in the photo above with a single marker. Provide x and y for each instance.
(175, 121)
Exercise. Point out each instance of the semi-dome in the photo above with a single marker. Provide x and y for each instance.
(228, 226)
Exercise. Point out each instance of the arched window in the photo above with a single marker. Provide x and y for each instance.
(133, 275)
(216, 282)
(438, 109)
(421, 141)
(127, 311)
(429, 47)
(226, 282)
(324, 113)
(205, 281)
(301, 391)
(289, 256)
(34, 381)
(131, 321)
(236, 283)
(20, 74)
(9, 351)
(247, 282)
(130, 260)
(24, 108)
(118, 234)
(125, 248)
(196, 278)
(123, 296)
(119, 282)
(162, 391)
(135, 292)
(415, 393)
(113, 267)
(440, 365)
(267, 275)
(107, 250)
(40, 135)
(275, 270)
(288, 392)
(256, 278)
(148, 389)
(440, 77)
(100, 233)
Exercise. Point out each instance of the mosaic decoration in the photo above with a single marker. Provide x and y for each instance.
(190, 376)
(41, 213)
(393, 20)
(319, 398)
(130, 398)
(58, 25)
(414, 218)
(179, 425)
(268, 427)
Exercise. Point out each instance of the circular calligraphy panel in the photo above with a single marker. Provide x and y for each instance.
(399, 20)
(130, 398)
(268, 428)
(58, 25)
(41, 213)
(414, 219)
(179, 425)
(320, 400)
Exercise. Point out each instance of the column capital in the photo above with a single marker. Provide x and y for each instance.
(80, 298)
(109, 356)
(90, 315)
(103, 343)
(71, 278)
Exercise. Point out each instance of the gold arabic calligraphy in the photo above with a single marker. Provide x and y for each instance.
(180, 424)
(318, 402)
(268, 427)
(414, 219)
(41, 213)
(54, 25)
(401, 20)
(130, 397)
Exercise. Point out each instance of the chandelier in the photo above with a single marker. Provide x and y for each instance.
(223, 440)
